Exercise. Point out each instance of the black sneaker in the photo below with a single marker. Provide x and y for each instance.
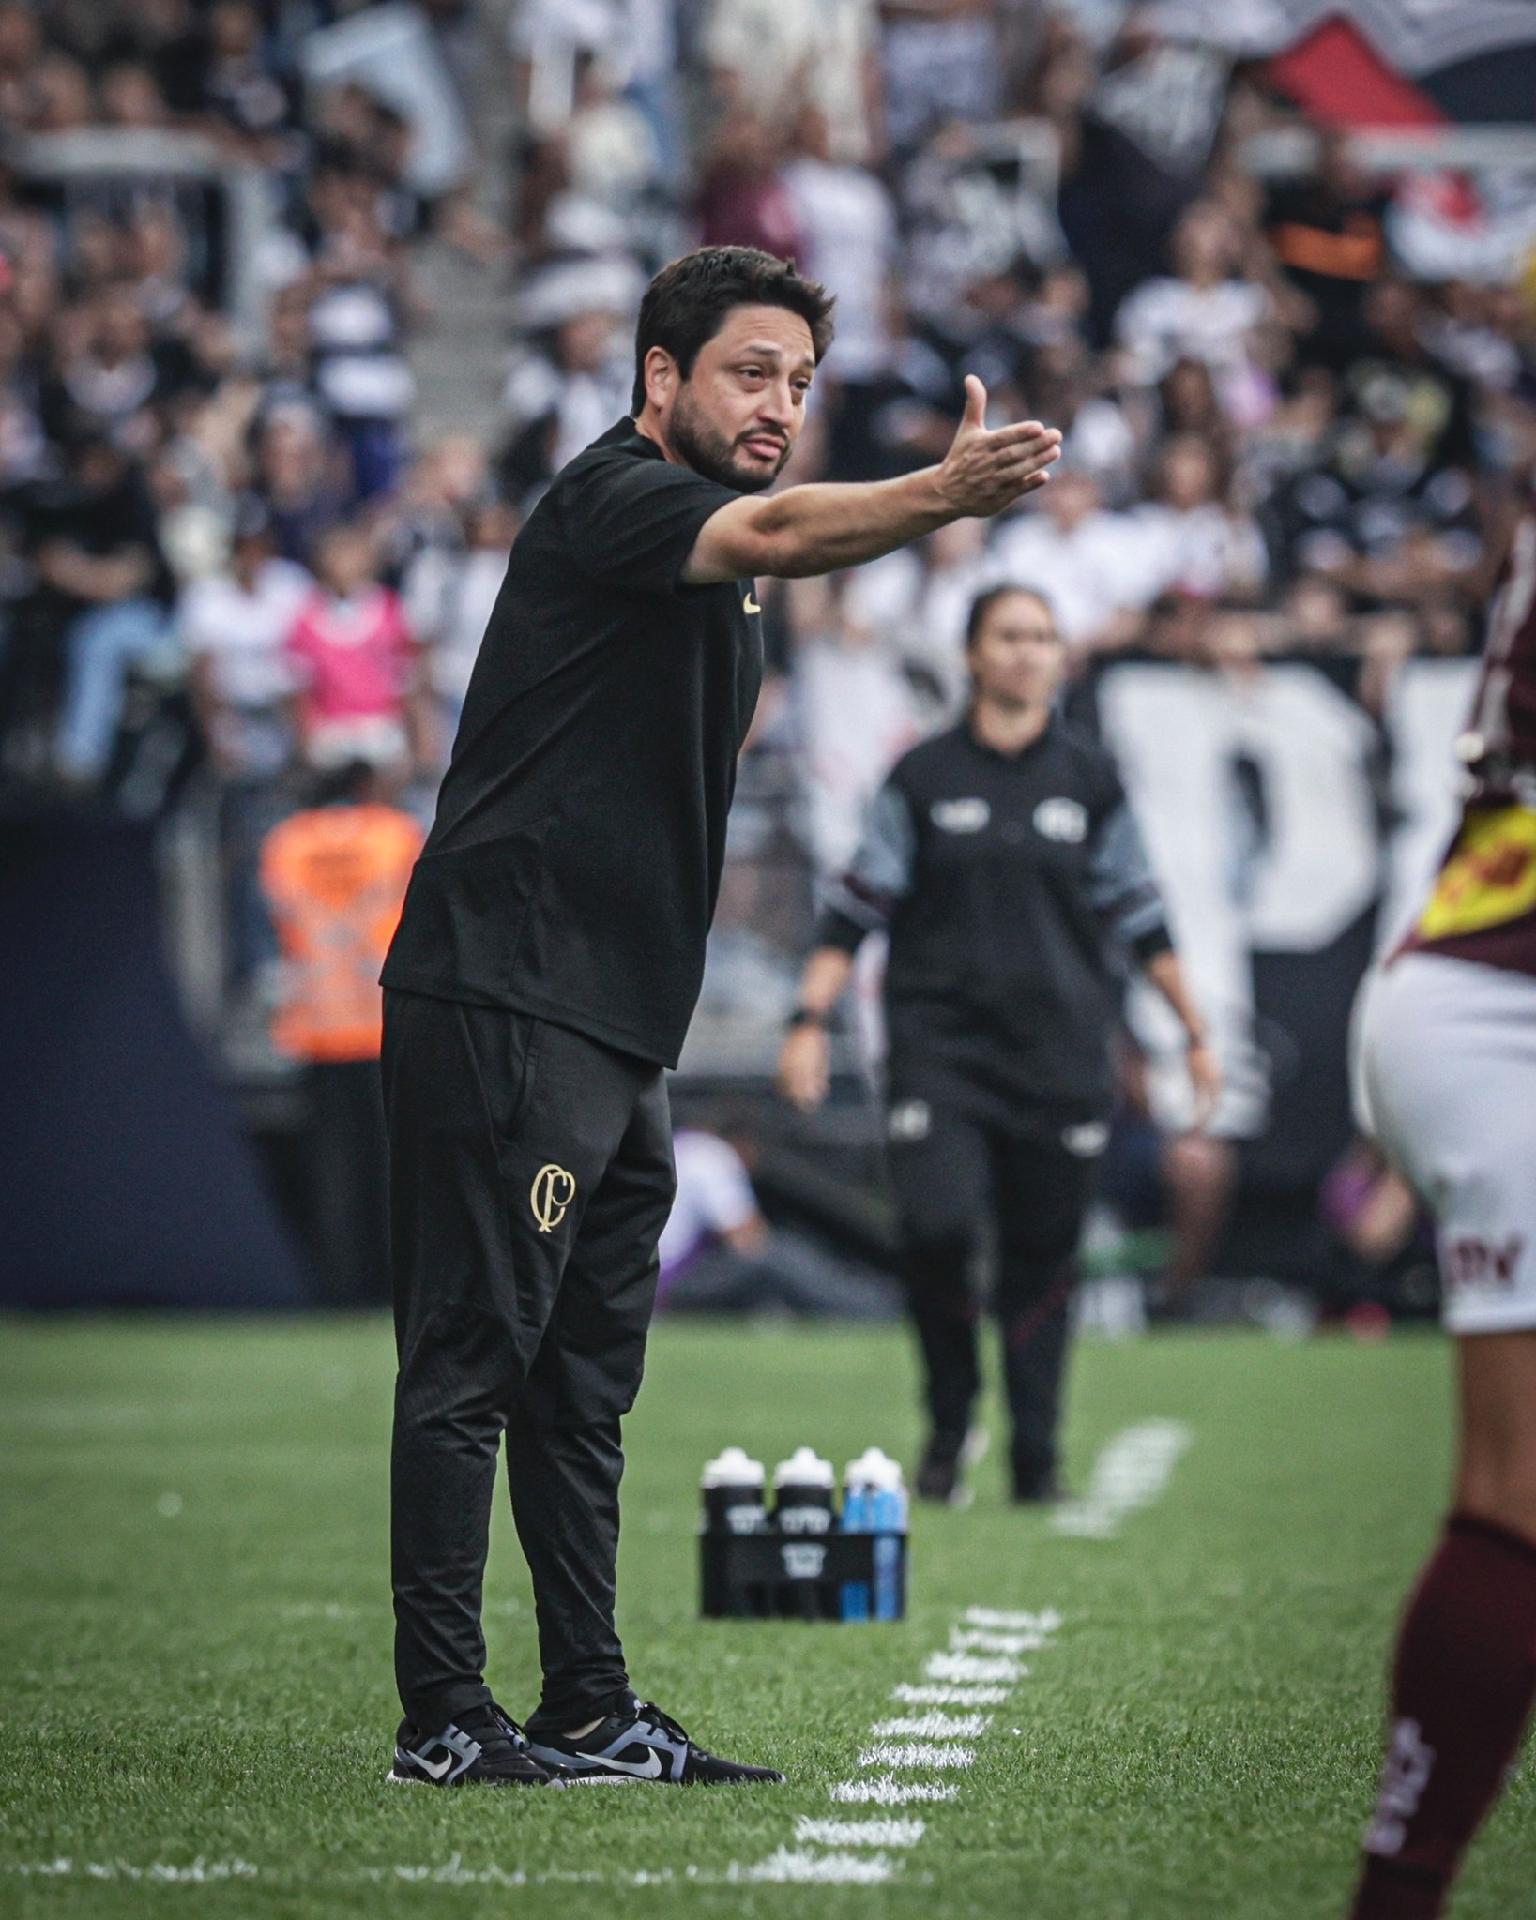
(646, 1744)
(486, 1748)
(941, 1471)
(1038, 1489)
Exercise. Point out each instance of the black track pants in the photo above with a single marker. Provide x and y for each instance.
(530, 1176)
(953, 1173)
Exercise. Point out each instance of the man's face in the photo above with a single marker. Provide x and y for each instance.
(1017, 657)
(738, 414)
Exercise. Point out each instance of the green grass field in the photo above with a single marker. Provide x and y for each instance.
(194, 1639)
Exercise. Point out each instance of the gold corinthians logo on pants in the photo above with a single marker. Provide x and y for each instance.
(553, 1191)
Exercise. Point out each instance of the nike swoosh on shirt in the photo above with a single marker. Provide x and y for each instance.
(749, 605)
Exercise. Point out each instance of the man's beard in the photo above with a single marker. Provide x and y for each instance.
(711, 454)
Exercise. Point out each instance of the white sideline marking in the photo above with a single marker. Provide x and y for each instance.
(911, 1696)
(1013, 1622)
(787, 1867)
(1131, 1472)
(973, 1666)
(859, 1833)
(936, 1726)
(982, 1640)
(198, 1873)
(979, 1669)
(886, 1792)
(452, 1872)
(918, 1753)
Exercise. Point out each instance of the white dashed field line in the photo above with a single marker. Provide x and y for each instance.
(1013, 1622)
(911, 1696)
(886, 1792)
(799, 1867)
(966, 1668)
(916, 1754)
(1131, 1472)
(984, 1640)
(859, 1833)
(935, 1726)
(980, 1668)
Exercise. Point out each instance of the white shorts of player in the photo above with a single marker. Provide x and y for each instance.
(1446, 1085)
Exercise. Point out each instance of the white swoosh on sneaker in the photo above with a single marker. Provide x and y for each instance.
(437, 1768)
(649, 1769)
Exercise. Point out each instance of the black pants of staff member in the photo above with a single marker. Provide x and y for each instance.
(530, 1176)
(955, 1172)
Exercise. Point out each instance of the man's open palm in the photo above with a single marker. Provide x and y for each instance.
(985, 471)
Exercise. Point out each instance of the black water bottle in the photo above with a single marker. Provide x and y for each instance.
(733, 1506)
(804, 1518)
(732, 1485)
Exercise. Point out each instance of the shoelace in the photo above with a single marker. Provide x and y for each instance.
(503, 1727)
(648, 1710)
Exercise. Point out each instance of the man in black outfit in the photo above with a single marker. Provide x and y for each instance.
(544, 973)
(1003, 859)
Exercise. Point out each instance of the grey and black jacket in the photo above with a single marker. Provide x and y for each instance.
(1014, 889)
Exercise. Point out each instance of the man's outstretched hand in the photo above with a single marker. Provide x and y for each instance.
(985, 471)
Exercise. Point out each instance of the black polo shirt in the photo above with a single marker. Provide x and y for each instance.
(1014, 887)
(574, 863)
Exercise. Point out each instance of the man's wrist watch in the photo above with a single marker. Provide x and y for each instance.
(805, 1017)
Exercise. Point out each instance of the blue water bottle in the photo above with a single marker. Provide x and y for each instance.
(888, 1523)
(858, 1514)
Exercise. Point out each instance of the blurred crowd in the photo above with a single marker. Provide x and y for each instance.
(1278, 435)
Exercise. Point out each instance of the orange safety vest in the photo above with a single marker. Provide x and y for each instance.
(335, 878)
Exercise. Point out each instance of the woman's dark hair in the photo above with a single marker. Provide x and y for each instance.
(984, 602)
(687, 302)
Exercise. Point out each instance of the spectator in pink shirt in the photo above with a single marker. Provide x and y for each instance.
(355, 663)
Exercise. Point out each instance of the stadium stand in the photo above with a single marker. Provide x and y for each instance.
(274, 273)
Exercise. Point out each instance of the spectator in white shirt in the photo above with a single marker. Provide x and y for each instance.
(774, 54)
(448, 596)
(857, 712)
(916, 600)
(1195, 542)
(1093, 566)
(848, 228)
(572, 379)
(718, 1253)
(636, 41)
(232, 626)
(1203, 311)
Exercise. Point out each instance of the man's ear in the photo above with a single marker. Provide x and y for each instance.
(661, 377)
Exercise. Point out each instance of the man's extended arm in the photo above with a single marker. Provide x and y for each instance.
(822, 527)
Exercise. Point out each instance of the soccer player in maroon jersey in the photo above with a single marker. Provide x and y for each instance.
(1448, 1081)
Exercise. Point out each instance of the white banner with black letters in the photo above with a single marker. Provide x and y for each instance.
(1294, 834)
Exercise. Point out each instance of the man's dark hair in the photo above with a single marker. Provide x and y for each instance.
(687, 302)
(985, 601)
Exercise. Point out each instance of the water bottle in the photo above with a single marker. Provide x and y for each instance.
(732, 1486)
(858, 1513)
(802, 1494)
(732, 1489)
(888, 1523)
(803, 1516)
